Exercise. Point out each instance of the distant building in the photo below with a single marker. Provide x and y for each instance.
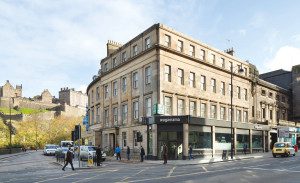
(7, 90)
(73, 98)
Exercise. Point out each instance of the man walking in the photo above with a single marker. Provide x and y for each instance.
(165, 153)
(128, 153)
(99, 155)
(142, 154)
(118, 152)
(69, 159)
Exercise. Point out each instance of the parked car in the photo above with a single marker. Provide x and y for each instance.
(283, 149)
(50, 149)
(86, 151)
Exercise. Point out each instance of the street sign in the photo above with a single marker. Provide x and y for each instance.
(90, 160)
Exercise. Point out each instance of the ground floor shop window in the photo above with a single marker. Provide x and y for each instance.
(223, 137)
(257, 141)
(200, 139)
(241, 140)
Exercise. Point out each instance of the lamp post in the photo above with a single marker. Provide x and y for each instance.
(10, 145)
(240, 70)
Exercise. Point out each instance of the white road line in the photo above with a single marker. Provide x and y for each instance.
(278, 170)
(259, 165)
(204, 168)
(89, 178)
(171, 171)
(133, 175)
(56, 178)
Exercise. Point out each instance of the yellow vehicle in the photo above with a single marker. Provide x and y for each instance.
(283, 149)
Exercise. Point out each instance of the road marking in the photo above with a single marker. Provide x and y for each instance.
(204, 168)
(171, 171)
(278, 170)
(56, 178)
(126, 178)
(89, 178)
(259, 165)
(182, 175)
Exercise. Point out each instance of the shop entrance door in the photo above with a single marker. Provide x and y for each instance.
(174, 141)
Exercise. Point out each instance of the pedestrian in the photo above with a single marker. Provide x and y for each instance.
(142, 154)
(128, 153)
(245, 148)
(118, 152)
(191, 152)
(69, 159)
(99, 156)
(165, 153)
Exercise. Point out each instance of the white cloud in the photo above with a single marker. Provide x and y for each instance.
(285, 58)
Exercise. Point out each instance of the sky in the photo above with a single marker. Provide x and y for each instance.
(51, 44)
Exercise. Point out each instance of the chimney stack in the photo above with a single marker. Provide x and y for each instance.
(112, 46)
(229, 51)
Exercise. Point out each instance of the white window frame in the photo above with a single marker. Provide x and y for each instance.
(148, 106)
(135, 80)
(168, 105)
(148, 75)
(192, 80)
(135, 109)
(115, 116)
(135, 50)
(180, 46)
(147, 43)
(180, 107)
(115, 88)
(167, 71)
(203, 83)
(124, 114)
(180, 74)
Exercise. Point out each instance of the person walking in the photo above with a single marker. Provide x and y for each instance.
(165, 153)
(245, 148)
(191, 152)
(99, 155)
(69, 159)
(118, 152)
(142, 154)
(128, 153)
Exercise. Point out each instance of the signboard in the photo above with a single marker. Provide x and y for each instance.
(283, 132)
(90, 160)
(171, 119)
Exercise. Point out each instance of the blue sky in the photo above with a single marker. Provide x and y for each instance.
(57, 43)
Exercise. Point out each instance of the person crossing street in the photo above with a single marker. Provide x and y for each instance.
(69, 159)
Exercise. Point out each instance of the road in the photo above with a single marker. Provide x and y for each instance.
(34, 167)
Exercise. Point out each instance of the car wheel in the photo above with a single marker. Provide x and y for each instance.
(274, 156)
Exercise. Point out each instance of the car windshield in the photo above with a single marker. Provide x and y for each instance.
(92, 148)
(51, 147)
(280, 145)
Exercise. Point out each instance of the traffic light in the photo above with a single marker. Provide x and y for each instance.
(139, 137)
(73, 136)
(77, 132)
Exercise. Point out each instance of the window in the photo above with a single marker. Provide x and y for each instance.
(213, 59)
(245, 94)
(98, 114)
(203, 83)
(229, 114)
(124, 139)
(229, 89)
(223, 62)
(148, 107)
(213, 111)
(264, 113)
(168, 105)
(97, 93)
(246, 71)
(180, 107)
(180, 46)
(114, 62)
(93, 117)
(105, 91)
(167, 40)
(192, 108)
(270, 95)
(203, 110)
(245, 116)
(263, 92)
(192, 50)
(168, 73)
(124, 113)
(124, 84)
(253, 114)
(283, 98)
(106, 117)
(148, 75)
(238, 115)
(222, 113)
(136, 110)
(202, 54)
(115, 88)
(92, 96)
(192, 80)
(213, 85)
(124, 56)
(135, 80)
(115, 116)
(223, 88)
(277, 97)
(135, 143)
(147, 43)
(238, 92)
(105, 67)
(135, 50)
(180, 76)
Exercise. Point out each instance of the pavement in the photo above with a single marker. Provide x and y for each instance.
(196, 161)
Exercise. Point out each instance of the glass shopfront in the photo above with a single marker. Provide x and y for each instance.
(200, 140)
(242, 138)
(257, 140)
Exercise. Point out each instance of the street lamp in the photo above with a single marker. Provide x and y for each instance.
(240, 70)
(10, 145)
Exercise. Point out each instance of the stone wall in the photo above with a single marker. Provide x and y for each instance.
(43, 116)
(69, 111)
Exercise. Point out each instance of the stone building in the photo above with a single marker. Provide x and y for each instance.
(7, 90)
(176, 90)
(73, 98)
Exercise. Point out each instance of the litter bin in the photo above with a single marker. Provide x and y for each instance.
(296, 148)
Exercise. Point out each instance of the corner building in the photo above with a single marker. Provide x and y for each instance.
(176, 90)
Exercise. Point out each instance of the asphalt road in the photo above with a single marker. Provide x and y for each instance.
(34, 167)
